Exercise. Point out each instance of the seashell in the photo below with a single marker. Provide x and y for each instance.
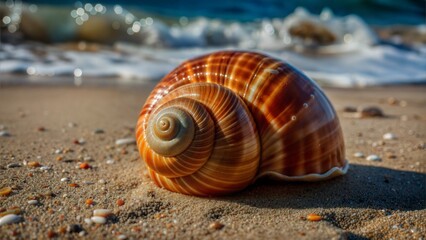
(98, 219)
(102, 212)
(9, 219)
(219, 122)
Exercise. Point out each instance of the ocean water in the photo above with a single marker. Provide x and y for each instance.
(373, 11)
(139, 41)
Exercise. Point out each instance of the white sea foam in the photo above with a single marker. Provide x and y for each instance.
(375, 65)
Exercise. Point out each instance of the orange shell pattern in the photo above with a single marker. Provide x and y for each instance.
(260, 116)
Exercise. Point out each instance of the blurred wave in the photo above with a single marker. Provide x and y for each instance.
(143, 42)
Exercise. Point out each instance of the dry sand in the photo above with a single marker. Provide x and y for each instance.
(383, 199)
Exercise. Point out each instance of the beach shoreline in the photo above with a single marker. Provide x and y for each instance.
(62, 126)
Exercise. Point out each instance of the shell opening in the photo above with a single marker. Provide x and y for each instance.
(170, 131)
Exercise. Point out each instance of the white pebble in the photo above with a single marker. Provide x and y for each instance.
(58, 151)
(13, 165)
(10, 218)
(389, 136)
(110, 161)
(81, 141)
(122, 237)
(359, 155)
(82, 233)
(71, 124)
(125, 141)
(45, 168)
(373, 157)
(88, 221)
(33, 202)
(102, 212)
(65, 179)
(98, 220)
(102, 181)
(4, 134)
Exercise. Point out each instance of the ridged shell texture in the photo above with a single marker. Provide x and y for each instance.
(218, 122)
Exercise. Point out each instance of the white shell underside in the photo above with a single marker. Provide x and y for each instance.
(313, 177)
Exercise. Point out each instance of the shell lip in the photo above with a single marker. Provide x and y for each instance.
(312, 177)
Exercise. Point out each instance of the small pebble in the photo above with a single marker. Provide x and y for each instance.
(65, 179)
(88, 221)
(84, 166)
(75, 185)
(9, 219)
(102, 212)
(359, 155)
(15, 211)
(58, 151)
(41, 129)
(370, 112)
(33, 202)
(125, 141)
(89, 201)
(313, 217)
(51, 234)
(389, 136)
(71, 125)
(88, 182)
(349, 109)
(73, 228)
(392, 101)
(13, 165)
(216, 225)
(98, 220)
(80, 141)
(110, 161)
(102, 181)
(82, 233)
(98, 131)
(6, 191)
(373, 157)
(45, 168)
(122, 237)
(120, 202)
(4, 134)
(33, 164)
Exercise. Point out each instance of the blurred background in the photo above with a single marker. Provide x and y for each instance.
(354, 43)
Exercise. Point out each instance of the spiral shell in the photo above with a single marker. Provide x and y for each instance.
(218, 122)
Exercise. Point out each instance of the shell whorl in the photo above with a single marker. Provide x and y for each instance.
(170, 131)
(224, 154)
(262, 117)
(190, 144)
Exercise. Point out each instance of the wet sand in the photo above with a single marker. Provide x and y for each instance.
(60, 127)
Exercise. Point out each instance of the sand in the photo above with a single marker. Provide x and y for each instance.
(56, 125)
